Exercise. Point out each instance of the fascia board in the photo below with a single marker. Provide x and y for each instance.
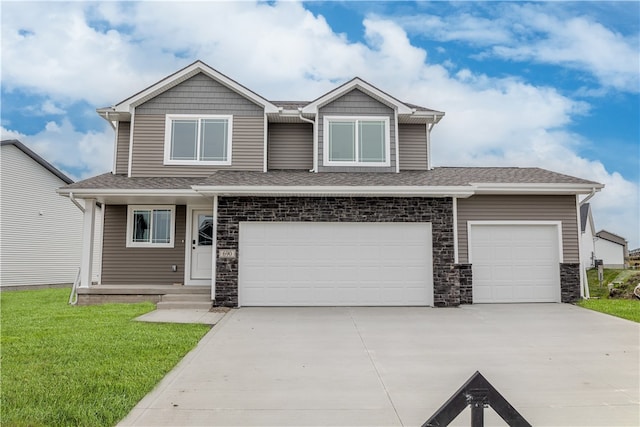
(312, 108)
(91, 193)
(462, 192)
(128, 104)
(525, 188)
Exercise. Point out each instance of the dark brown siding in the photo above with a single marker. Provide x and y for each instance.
(413, 147)
(290, 146)
(122, 148)
(522, 208)
(139, 266)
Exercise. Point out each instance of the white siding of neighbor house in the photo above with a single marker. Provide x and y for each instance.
(611, 254)
(587, 247)
(41, 232)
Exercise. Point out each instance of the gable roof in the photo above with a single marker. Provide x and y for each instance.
(42, 162)
(614, 238)
(127, 105)
(357, 83)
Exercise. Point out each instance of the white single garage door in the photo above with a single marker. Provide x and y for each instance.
(335, 263)
(515, 262)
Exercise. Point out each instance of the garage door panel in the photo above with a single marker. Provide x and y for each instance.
(335, 264)
(515, 263)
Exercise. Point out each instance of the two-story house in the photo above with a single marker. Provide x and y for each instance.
(328, 202)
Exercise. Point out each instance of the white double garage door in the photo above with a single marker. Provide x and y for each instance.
(359, 264)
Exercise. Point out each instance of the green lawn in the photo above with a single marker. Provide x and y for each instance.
(625, 308)
(65, 365)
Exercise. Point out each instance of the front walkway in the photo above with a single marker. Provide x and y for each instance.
(557, 364)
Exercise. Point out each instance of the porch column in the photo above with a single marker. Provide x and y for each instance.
(87, 242)
(214, 252)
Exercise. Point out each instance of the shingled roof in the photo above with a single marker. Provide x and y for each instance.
(444, 176)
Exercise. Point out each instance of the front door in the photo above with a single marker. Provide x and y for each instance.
(201, 244)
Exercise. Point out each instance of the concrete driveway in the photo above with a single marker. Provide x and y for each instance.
(557, 364)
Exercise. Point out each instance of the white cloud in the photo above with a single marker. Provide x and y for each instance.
(283, 51)
(542, 33)
(79, 155)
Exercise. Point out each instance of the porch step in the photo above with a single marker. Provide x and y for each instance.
(184, 301)
(183, 305)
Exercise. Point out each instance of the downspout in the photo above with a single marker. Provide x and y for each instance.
(315, 141)
(429, 129)
(106, 113)
(75, 202)
(586, 199)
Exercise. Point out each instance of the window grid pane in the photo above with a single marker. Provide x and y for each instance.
(141, 225)
(213, 139)
(342, 141)
(371, 141)
(161, 226)
(184, 139)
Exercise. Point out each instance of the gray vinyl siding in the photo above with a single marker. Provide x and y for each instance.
(122, 148)
(148, 148)
(200, 95)
(356, 103)
(412, 146)
(523, 208)
(139, 266)
(290, 146)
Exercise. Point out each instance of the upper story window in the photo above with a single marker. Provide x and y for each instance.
(356, 141)
(198, 140)
(150, 226)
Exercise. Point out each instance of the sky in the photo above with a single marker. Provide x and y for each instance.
(554, 85)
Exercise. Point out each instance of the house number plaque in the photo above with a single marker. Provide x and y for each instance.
(227, 253)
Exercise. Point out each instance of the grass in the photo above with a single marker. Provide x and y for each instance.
(64, 365)
(624, 308)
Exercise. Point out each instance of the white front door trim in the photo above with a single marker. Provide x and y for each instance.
(188, 247)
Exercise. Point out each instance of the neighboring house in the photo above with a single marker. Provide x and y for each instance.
(328, 202)
(41, 234)
(587, 236)
(611, 249)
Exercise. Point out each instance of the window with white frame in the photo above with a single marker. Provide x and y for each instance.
(196, 140)
(356, 141)
(150, 226)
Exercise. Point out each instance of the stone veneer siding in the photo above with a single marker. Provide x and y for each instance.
(437, 211)
(570, 282)
(465, 278)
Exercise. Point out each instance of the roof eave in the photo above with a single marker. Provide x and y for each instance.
(536, 188)
(348, 190)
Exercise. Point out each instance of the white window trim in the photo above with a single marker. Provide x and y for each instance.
(325, 140)
(172, 231)
(167, 139)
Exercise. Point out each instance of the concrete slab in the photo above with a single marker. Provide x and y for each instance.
(182, 316)
(557, 364)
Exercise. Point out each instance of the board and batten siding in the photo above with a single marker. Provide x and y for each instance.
(139, 266)
(41, 231)
(356, 103)
(247, 151)
(290, 146)
(520, 208)
(412, 146)
(122, 148)
(199, 94)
